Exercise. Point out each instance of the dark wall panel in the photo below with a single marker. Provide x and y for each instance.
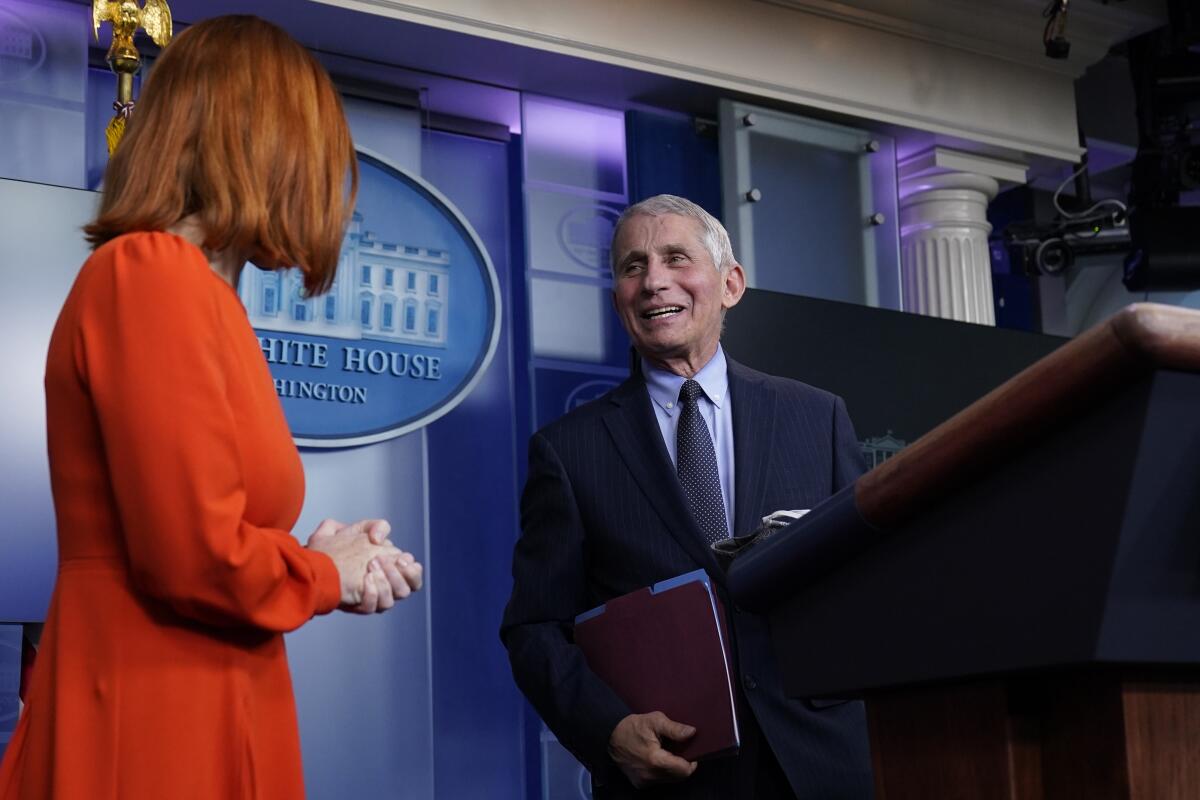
(899, 373)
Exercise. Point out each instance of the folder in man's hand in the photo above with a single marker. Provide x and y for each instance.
(666, 648)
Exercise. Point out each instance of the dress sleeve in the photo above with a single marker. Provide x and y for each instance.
(153, 353)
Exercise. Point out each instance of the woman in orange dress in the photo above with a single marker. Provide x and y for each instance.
(162, 671)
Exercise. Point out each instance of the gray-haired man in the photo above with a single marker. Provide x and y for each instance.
(631, 488)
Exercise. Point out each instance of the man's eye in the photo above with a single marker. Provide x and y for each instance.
(676, 258)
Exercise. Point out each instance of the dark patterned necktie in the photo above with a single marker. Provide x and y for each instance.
(696, 463)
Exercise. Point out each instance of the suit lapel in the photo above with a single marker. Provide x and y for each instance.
(639, 441)
(753, 438)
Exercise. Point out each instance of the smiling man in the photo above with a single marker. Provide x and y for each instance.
(634, 487)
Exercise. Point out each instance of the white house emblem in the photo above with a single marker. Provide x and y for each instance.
(22, 48)
(411, 321)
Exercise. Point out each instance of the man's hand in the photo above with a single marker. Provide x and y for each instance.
(636, 746)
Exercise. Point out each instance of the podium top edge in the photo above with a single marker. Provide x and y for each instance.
(1137, 339)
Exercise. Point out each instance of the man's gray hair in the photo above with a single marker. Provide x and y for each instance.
(714, 237)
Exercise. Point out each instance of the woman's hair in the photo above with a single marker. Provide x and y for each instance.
(238, 124)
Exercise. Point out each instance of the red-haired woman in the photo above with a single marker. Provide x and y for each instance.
(162, 670)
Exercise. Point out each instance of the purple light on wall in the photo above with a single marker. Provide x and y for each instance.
(574, 145)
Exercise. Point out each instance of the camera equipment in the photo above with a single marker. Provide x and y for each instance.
(1165, 65)
(1095, 228)
(1054, 34)
(1050, 250)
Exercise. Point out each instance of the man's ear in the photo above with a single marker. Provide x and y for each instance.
(734, 286)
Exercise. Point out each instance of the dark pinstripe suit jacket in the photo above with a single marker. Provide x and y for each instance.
(603, 514)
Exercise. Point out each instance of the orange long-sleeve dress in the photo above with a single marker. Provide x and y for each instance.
(162, 671)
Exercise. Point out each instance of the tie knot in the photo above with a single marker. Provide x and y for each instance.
(690, 392)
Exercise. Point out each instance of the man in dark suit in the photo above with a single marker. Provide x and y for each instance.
(632, 488)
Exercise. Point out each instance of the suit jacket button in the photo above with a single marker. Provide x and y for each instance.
(749, 682)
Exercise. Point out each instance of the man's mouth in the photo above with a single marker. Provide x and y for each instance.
(660, 313)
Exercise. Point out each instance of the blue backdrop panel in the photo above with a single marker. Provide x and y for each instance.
(473, 516)
(363, 685)
(562, 387)
(41, 250)
(43, 60)
(10, 681)
(669, 153)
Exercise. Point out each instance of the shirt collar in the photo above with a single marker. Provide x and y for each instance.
(664, 386)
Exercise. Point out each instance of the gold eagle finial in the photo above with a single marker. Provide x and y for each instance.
(123, 58)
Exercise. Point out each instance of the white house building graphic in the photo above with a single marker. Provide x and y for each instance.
(383, 291)
(878, 449)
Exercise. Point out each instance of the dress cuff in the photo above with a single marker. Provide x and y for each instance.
(328, 581)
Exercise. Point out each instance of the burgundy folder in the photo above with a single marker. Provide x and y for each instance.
(666, 648)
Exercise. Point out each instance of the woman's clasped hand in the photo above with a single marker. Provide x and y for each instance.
(374, 572)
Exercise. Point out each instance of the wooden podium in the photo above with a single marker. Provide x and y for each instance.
(1017, 594)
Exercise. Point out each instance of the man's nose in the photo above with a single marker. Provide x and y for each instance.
(656, 276)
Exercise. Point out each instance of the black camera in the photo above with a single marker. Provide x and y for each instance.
(1052, 256)
(1058, 47)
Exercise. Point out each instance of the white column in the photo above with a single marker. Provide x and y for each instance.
(945, 267)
